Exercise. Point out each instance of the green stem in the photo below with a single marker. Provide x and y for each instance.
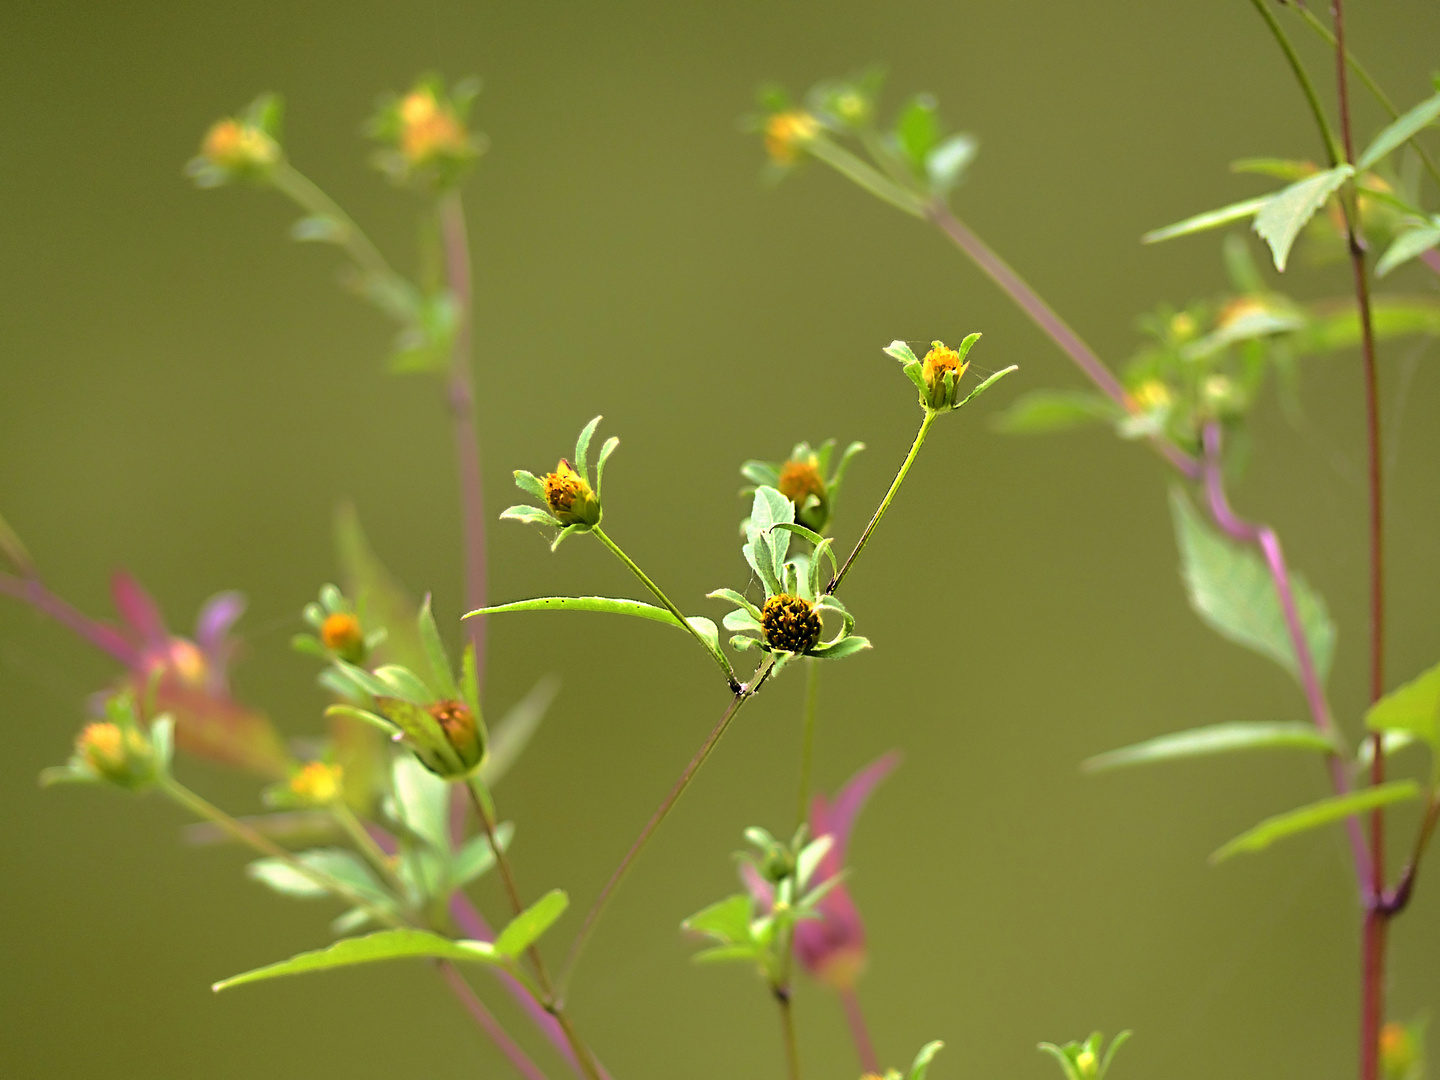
(869, 178)
(711, 650)
(1370, 84)
(787, 1029)
(1327, 133)
(365, 843)
(807, 746)
(930, 415)
(198, 806)
(299, 187)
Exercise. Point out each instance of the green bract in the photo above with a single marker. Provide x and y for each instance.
(568, 502)
(1083, 1060)
(118, 750)
(792, 587)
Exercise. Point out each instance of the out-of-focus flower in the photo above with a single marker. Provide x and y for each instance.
(423, 134)
(802, 479)
(787, 134)
(832, 947)
(244, 147)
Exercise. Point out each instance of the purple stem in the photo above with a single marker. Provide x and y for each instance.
(33, 592)
(859, 1032)
(483, 1017)
(1431, 259)
(460, 394)
(474, 926)
(1044, 316)
(1264, 538)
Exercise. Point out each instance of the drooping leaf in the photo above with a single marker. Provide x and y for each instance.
(382, 945)
(605, 604)
(1312, 816)
(902, 352)
(1400, 131)
(530, 515)
(1212, 219)
(1231, 590)
(986, 384)
(1055, 410)
(1284, 214)
(522, 931)
(1214, 739)
(1407, 246)
(344, 866)
(511, 735)
(726, 921)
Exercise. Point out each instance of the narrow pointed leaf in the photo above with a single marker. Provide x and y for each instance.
(523, 930)
(338, 863)
(383, 945)
(511, 735)
(531, 515)
(1412, 709)
(1400, 131)
(1285, 213)
(922, 1060)
(582, 448)
(1407, 246)
(1212, 219)
(726, 920)
(1056, 410)
(1316, 814)
(1214, 739)
(444, 678)
(605, 452)
(991, 381)
(902, 352)
(605, 604)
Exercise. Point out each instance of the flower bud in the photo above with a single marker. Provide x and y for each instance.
(799, 480)
(570, 498)
(1398, 1052)
(942, 361)
(1152, 395)
(316, 784)
(790, 623)
(1086, 1063)
(342, 635)
(239, 148)
(787, 133)
(121, 755)
(777, 863)
(430, 130)
(461, 731)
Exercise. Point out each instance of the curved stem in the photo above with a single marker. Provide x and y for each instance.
(32, 591)
(597, 907)
(1327, 134)
(712, 651)
(292, 182)
(866, 176)
(460, 394)
(487, 1022)
(366, 845)
(859, 1031)
(930, 415)
(807, 746)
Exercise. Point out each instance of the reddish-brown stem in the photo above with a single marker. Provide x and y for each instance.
(460, 394)
(487, 1022)
(32, 591)
(859, 1032)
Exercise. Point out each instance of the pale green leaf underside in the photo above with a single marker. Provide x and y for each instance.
(1407, 246)
(1232, 591)
(606, 604)
(1285, 213)
(382, 945)
(1211, 219)
(1213, 739)
(1316, 814)
(1400, 130)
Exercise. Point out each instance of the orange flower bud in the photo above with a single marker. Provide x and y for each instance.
(343, 636)
(787, 133)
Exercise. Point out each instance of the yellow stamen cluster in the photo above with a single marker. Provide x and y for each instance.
(231, 144)
(569, 496)
(790, 623)
(429, 129)
(317, 784)
(786, 134)
(940, 359)
(1086, 1063)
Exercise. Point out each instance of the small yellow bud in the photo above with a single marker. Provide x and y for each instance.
(1182, 327)
(233, 145)
(1086, 1063)
(1397, 1050)
(120, 755)
(1152, 394)
(429, 129)
(342, 635)
(1239, 308)
(787, 133)
(317, 784)
(798, 481)
(852, 107)
(570, 498)
(461, 731)
(790, 623)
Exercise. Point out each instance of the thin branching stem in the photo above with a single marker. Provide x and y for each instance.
(1333, 149)
(930, 416)
(787, 1030)
(597, 907)
(366, 845)
(859, 1030)
(807, 745)
(301, 189)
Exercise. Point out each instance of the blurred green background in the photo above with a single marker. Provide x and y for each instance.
(187, 394)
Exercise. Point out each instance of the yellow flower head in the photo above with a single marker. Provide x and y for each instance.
(569, 496)
(430, 129)
(120, 755)
(939, 360)
(799, 480)
(786, 134)
(317, 784)
(231, 144)
(1152, 394)
(342, 635)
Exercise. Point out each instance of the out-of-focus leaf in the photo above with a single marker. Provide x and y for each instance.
(1284, 214)
(382, 945)
(439, 660)
(1055, 410)
(344, 866)
(378, 597)
(1232, 591)
(1400, 131)
(1337, 325)
(422, 801)
(522, 931)
(511, 735)
(291, 826)
(921, 1064)
(605, 604)
(917, 130)
(319, 229)
(726, 921)
(14, 551)
(477, 857)
(1211, 219)
(1413, 708)
(1261, 322)
(946, 164)
(1407, 246)
(1279, 168)
(1214, 739)
(1316, 814)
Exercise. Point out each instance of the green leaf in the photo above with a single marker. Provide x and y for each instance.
(724, 953)
(530, 515)
(760, 473)
(363, 715)
(946, 164)
(1324, 812)
(1279, 168)
(991, 381)
(582, 448)
(1214, 739)
(917, 130)
(1407, 246)
(1120, 1040)
(1285, 213)
(1066, 1066)
(319, 229)
(1232, 592)
(477, 857)
(846, 646)
(382, 945)
(421, 801)
(1337, 326)
(511, 735)
(1400, 131)
(902, 352)
(529, 483)
(344, 866)
(922, 1060)
(605, 452)
(808, 861)
(605, 604)
(435, 653)
(402, 683)
(565, 532)
(1212, 219)
(726, 921)
(735, 598)
(1055, 410)
(523, 930)
(1413, 708)
(706, 629)
(162, 742)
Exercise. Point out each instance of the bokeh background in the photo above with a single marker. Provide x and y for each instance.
(187, 394)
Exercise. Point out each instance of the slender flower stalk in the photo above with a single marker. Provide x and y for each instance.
(930, 415)
(32, 591)
(487, 1022)
(597, 907)
(807, 747)
(460, 395)
(1333, 150)
(787, 1030)
(291, 182)
(859, 1030)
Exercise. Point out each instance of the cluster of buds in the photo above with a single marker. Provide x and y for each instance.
(117, 750)
(802, 479)
(246, 147)
(339, 633)
(568, 501)
(423, 135)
